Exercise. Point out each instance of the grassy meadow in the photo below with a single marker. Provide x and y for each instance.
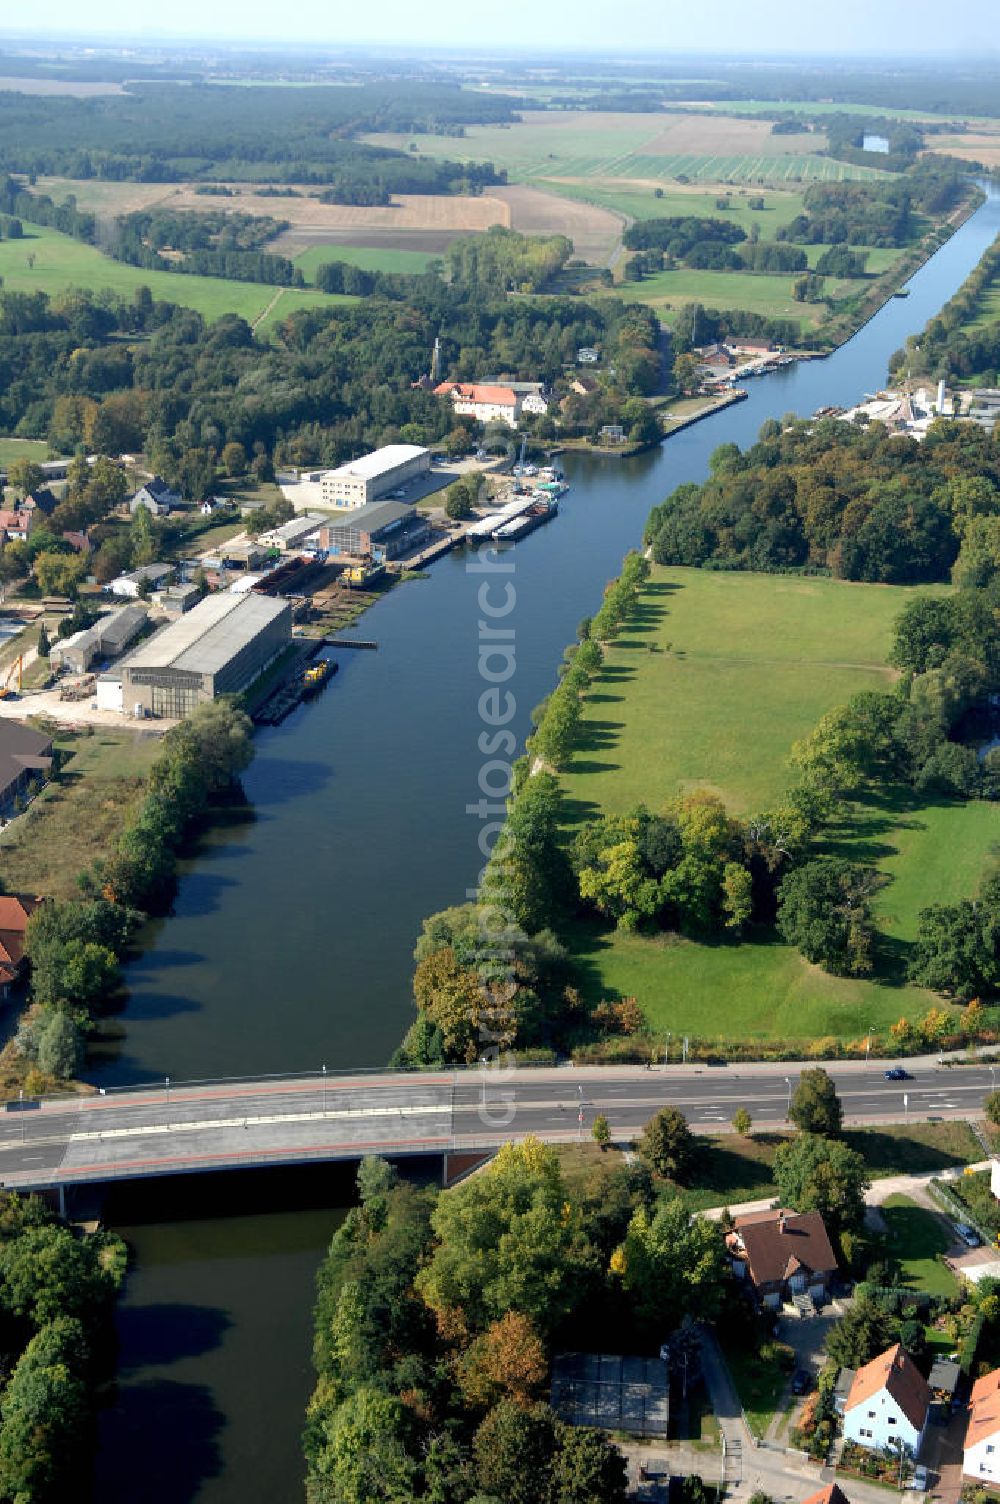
(708, 688)
(59, 262)
(368, 258)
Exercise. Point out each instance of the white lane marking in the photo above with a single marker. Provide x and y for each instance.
(186, 1126)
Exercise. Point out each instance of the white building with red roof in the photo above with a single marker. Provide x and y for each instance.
(470, 399)
(888, 1403)
(982, 1438)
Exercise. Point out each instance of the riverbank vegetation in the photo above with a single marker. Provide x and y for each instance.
(438, 1316)
(56, 1297)
(962, 342)
(75, 942)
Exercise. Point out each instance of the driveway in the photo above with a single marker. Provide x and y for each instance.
(806, 1336)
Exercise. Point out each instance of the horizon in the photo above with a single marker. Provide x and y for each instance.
(914, 30)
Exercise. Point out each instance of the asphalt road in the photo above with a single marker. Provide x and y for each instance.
(160, 1130)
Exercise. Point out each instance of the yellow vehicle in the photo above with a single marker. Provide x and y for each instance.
(17, 667)
(365, 573)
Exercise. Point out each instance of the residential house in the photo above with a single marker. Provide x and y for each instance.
(16, 525)
(754, 346)
(587, 356)
(783, 1254)
(584, 385)
(76, 540)
(982, 1437)
(156, 496)
(888, 1405)
(25, 755)
(831, 1494)
(15, 911)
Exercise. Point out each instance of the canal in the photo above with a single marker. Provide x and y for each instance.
(290, 945)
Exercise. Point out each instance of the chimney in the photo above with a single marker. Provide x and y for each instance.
(781, 1222)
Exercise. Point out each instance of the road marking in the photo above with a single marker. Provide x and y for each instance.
(204, 1124)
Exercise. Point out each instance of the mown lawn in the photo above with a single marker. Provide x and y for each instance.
(767, 295)
(916, 1238)
(23, 449)
(61, 262)
(743, 665)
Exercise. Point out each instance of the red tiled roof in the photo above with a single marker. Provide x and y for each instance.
(777, 1244)
(500, 396)
(984, 1408)
(10, 520)
(15, 911)
(896, 1373)
(831, 1494)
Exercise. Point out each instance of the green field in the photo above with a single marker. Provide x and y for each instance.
(667, 292)
(23, 449)
(369, 258)
(746, 664)
(780, 205)
(61, 262)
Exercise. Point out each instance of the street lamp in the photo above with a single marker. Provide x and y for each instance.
(666, 1048)
(167, 1084)
(993, 1078)
(788, 1108)
(868, 1044)
(324, 1091)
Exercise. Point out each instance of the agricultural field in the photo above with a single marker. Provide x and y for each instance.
(575, 145)
(60, 262)
(741, 666)
(978, 145)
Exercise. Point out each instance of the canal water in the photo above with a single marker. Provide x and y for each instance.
(290, 945)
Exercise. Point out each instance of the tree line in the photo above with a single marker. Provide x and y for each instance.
(74, 948)
(948, 347)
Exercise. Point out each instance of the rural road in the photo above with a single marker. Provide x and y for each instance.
(160, 1129)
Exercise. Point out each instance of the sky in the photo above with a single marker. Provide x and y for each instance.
(641, 27)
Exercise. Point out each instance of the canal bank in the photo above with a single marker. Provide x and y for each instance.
(291, 943)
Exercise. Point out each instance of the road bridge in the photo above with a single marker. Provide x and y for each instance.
(172, 1129)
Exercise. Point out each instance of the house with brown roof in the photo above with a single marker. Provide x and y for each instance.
(783, 1254)
(888, 1405)
(25, 756)
(15, 911)
(982, 1437)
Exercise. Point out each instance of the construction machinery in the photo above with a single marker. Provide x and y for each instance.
(17, 667)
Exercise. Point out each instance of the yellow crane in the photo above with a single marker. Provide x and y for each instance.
(17, 667)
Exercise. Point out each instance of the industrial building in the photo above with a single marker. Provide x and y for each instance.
(109, 636)
(383, 530)
(219, 647)
(374, 475)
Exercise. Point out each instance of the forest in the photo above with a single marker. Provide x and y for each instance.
(873, 214)
(164, 133)
(336, 381)
(854, 501)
